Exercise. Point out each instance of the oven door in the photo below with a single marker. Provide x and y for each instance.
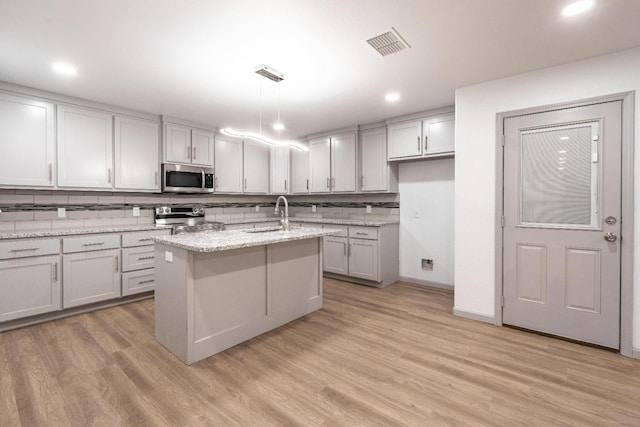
(185, 179)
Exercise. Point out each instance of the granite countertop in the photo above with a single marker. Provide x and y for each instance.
(215, 241)
(362, 222)
(5, 235)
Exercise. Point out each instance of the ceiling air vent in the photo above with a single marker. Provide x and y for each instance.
(269, 73)
(388, 43)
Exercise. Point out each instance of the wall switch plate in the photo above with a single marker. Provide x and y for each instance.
(62, 213)
(313, 208)
(257, 208)
(427, 264)
(368, 208)
(168, 256)
(136, 211)
(417, 213)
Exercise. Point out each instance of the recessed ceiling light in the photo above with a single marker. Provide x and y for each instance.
(278, 126)
(64, 69)
(578, 7)
(392, 97)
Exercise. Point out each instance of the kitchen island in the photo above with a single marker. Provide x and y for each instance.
(217, 289)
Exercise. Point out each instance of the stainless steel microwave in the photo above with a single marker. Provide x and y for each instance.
(186, 179)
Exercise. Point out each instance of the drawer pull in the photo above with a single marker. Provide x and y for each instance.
(360, 233)
(146, 257)
(146, 239)
(24, 249)
(117, 262)
(144, 282)
(55, 271)
(93, 244)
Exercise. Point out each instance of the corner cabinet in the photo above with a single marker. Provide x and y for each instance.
(426, 138)
(27, 142)
(332, 163)
(137, 154)
(85, 148)
(183, 144)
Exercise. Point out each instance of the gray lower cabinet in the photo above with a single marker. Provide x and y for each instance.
(138, 261)
(363, 259)
(335, 257)
(91, 277)
(29, 286)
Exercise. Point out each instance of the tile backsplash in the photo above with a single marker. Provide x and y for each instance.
(32, 209)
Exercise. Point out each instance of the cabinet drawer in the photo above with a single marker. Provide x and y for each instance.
(94, 242)
(137, 258)
(343, 229)
(29, 247)
(135, 282)
(360, 232)
(142, 238)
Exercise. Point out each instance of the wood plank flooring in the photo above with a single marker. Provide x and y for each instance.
(393, 356)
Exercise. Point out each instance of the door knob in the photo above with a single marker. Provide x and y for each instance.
(610, 237)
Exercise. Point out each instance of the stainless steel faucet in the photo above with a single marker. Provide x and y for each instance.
(284, 221)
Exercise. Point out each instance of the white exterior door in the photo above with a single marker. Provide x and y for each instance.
(27, 142)
(228, 170)
(320, 165)
(343, 162)
(137, 153)
(562, 204)
(85, 148)
(202, 147)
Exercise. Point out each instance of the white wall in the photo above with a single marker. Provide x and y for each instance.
(475, 162)
(426, 186)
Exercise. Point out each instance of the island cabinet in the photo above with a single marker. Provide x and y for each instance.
(429, 137)
(27, 142)
(206, 302)
(30, 278)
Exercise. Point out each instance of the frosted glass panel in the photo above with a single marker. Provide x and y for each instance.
(559, 176)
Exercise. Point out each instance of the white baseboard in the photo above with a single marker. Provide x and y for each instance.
(635, 353)
(474, 316)
(425, 283)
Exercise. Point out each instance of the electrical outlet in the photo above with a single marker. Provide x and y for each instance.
(427, 264)
(136, 211)
(168, 256)
(313, 208)
(368, 208)
(257, 208)
(417, 213)
(62, 213)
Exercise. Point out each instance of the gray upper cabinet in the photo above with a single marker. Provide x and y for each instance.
(256, 168)
(332, 163)
(229, 164)
(85, 148)
(27, 142)
(425, 138)
(376, 173)
(299, 172)
(137, 154)
(183, 144)
(279, 181)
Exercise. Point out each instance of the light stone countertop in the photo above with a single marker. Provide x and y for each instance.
(215, 241)
(6, 235)
(312, 220)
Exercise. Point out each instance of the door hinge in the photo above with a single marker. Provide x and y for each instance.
(502, 221)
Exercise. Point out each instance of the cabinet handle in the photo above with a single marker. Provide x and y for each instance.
(117, 262)
(344, 248)
(55, 271)
(361, 233)
(144, 282)
(156, 178)
(245, 183)
(146, 239)
(194, 153)
(142, 258)
(24, 249)
(109, 175)
(425, 143)
(418, 144)
(307, 184)
(50, 172)
(285, 185)
(93, 244)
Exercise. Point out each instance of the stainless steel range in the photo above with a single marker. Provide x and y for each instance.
(185, 219)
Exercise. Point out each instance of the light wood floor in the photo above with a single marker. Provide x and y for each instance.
(393, 356)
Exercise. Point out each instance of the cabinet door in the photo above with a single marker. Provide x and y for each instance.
(256, 168)
(335, 255)
(27, 142)
(363, 259)
(343, 162)
(299, 172)
(137, 152)
(85, 148)
(202, 147)
(228, 169)
(177, 143)
(405, 140)
(320, 165)
(373, 160)
(279, 170)
(29, 286)
(90, 277)
(439, 134)
(135, 282)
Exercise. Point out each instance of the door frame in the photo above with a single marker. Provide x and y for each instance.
(627, 225)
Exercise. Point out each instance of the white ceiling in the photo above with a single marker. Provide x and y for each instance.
(195, 59)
